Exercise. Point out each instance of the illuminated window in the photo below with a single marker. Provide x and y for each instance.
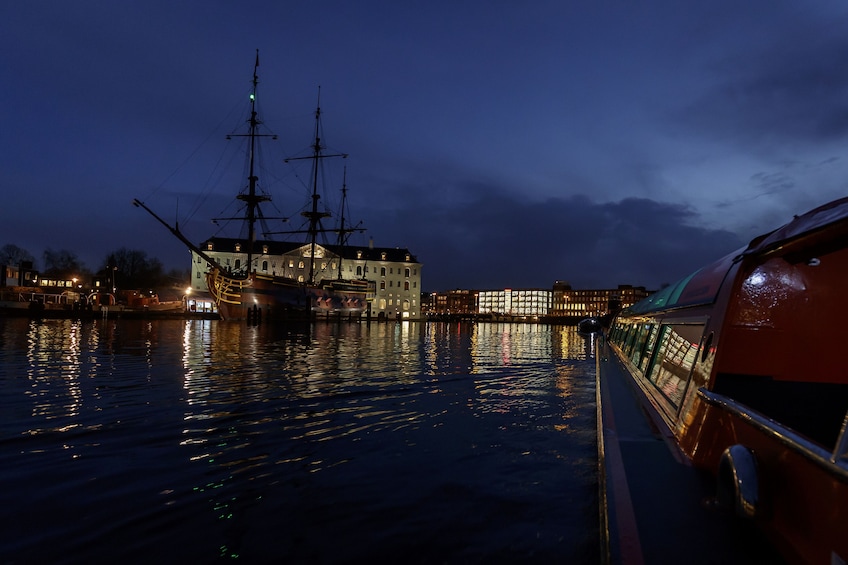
(265, 249)
(383, 255)
(291, 263)
(359, 254)
(238, 247)
(300, 265)
(209, 246)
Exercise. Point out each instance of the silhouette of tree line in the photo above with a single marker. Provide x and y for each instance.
(132, 268)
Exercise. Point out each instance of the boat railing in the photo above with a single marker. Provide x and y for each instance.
(41, 297)
(835, 462)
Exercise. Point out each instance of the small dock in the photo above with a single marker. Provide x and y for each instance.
(655, 506)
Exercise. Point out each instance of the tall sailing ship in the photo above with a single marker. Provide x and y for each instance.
(243, 293)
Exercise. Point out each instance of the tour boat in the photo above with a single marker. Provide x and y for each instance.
(739, 366)
(243, 294)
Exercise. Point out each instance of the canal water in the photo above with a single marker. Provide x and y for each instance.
(203, 441)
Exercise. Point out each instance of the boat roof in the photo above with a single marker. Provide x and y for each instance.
(800, 227)
(702, 286)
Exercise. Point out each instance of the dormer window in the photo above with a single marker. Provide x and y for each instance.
(383, 255)
(359, 254)
(209, 246)
(407, 257)
(265, 249)
(238, 247)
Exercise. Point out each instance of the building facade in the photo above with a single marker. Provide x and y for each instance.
(395, 271)
(560, 303)
(584, 303)
(520, 303)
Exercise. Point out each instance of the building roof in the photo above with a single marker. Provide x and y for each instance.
(368, 253)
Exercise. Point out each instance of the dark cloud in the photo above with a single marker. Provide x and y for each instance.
(490, 238)
(790, 87)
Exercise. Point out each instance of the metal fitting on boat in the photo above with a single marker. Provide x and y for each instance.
(738, 485)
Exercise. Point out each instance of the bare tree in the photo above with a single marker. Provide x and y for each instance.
(133, 269)
(13, 255)
(62, 263)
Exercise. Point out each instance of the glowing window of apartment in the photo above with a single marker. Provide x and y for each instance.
(291, 263)
(359, 254)
(383, 255)
(265, 249)
(300, 265)
(407, 257)
(238, 247)
(300, 278)
(209, 246)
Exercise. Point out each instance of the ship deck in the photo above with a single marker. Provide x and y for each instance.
(655, 506)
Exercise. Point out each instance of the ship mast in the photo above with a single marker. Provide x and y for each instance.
(252, 199)
(343, 232)
(314, 215)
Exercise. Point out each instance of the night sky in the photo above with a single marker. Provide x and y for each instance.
(506, 144)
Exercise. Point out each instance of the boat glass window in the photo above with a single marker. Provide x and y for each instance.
(650, 346)
(677, 353)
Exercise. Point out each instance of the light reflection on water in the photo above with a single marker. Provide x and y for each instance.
(141, 440)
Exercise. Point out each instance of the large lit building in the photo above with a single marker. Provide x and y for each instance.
(562, 303)
(521, 303)
(396, 272)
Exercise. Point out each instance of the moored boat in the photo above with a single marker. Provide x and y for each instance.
(589, 325)
(739, 366)
(244, 293)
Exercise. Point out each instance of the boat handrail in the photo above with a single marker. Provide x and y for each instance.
(835, 462)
